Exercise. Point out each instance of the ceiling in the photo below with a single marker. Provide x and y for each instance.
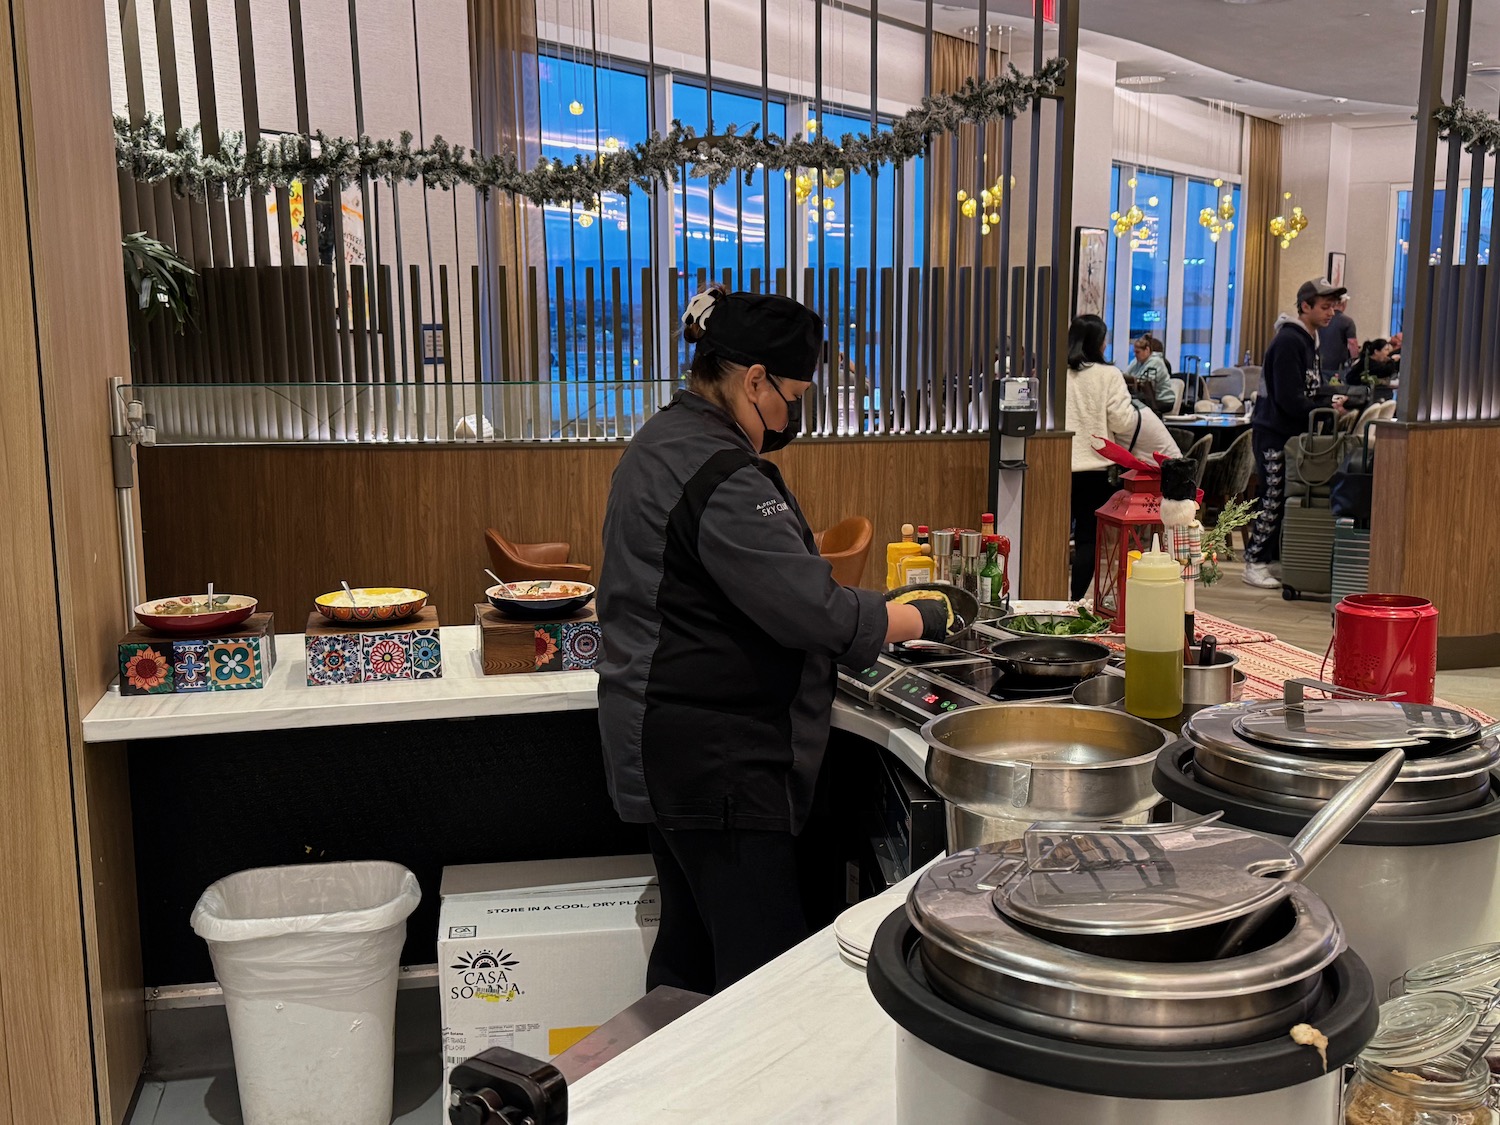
(1357, 61)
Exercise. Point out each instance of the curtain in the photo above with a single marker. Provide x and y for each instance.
(507, 117)
(1262, 269)
(953, 61)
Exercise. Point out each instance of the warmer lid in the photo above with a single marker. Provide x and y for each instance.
(1141, 879)
(1420, 1026)
(1352, 726)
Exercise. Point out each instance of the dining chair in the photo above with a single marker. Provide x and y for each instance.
(1180, 386)
(846, 546)
(533, 562)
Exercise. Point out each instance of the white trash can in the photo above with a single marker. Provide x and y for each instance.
(308, 958)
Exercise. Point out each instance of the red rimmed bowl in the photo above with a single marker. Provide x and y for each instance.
(373, 605)
(190, 615)
(540, 601)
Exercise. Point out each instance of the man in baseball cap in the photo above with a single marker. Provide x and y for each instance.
(1291, 376)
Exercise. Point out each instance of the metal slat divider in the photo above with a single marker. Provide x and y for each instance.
(650, 387)
(965, 374)
(859, 375)
(836, 361)
(562, 351)
(363, 395)
(448, 427)
(498, 367)
(819, 420)
(535, 377)
(1487, 370)
(889, 349)
(987, 357)
(911, 418)
(619, 389)
(395, 405)
(344, 344)
(591, 373)
(418, 352)
(309, 407)
(1017, 315)
(477, 372)
(937, 378)
(1475, 275)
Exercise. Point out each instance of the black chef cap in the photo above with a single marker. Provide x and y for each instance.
(750, 328)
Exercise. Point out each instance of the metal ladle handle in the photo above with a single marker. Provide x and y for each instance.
(1321, 835)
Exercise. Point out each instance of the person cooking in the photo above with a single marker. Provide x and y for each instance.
(722, 627)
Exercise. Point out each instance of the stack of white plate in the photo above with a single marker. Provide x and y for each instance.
(855, 928)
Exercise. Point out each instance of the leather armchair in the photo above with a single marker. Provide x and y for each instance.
(533, 562)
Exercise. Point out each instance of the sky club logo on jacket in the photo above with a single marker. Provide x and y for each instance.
(485, 976)
(770, 507)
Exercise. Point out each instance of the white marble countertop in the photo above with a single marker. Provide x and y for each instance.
(464, 691)
(799, 1040)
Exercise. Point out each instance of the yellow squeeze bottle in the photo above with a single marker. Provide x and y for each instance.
(914, 569)
(1153, 636)
(895, 552)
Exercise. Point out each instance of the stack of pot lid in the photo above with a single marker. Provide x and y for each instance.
(1297, 755)
(1106, 934)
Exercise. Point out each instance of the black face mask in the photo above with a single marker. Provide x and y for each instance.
(773, 440)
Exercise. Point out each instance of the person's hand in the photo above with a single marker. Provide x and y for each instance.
(1340, 403)
(935, 613)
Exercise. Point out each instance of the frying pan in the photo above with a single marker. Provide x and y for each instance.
(965, 604)
(1052, 658)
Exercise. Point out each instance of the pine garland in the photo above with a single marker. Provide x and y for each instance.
(1477, 130)
(323, 161)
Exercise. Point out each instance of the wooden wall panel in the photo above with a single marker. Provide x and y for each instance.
(79, 336)
(43, 991)
(1434, 519)
(287, 524)
(1045, 516)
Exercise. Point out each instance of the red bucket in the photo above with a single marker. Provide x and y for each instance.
(1386, 644)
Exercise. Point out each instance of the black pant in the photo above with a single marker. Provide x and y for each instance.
(1090, 490)
(730, 902)
(1270, 467)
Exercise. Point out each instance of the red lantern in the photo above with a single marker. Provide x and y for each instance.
(1127, 522)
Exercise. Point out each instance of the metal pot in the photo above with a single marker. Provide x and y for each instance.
(1001, 767)
(1208, 684)
(1052, 658)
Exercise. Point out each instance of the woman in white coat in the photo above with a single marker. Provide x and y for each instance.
(1098, 406)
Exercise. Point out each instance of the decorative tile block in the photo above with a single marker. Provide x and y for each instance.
(426, 655)
(339, 653)
(233, 665)
(385, 656)
(146, 669)
(507, 646)
(242, 658)
(333, 660)
(190, 666)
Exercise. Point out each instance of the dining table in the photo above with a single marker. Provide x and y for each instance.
(1223, 428)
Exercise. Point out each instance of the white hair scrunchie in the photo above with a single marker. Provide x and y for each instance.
(700, 308)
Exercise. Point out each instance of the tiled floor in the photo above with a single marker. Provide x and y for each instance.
(1308, 624)
(213, 1100)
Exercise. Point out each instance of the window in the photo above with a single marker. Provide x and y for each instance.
(1200, 260)
(1168, 276)
(747, 231)
(588, 244)
(1150, 254)
(1231, 292)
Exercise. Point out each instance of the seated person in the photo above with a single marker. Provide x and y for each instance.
(1375, 364)
(1148, 378)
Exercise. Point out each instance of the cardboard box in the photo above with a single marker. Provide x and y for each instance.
(507, 646)
(153, 663)
(536, 968)
(338, 653)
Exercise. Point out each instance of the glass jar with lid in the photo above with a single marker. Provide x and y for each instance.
(1418, 1069)
(1451, 1090)
(1473, 972)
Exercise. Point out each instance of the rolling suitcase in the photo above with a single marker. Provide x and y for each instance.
(1312, 459)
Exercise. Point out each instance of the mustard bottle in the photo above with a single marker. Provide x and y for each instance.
(912, 570)
(895, 552)
(1153, 635)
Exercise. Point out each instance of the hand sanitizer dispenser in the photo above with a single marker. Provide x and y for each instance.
(1018, 406)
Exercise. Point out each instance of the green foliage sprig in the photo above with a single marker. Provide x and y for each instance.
(321, 161)
(1475, 129)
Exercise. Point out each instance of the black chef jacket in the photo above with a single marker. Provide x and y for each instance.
(722, 627)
